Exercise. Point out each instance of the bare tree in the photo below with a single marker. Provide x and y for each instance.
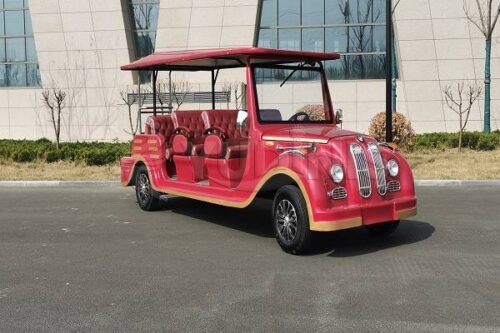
(161, 94)
(54, 100)
(486, 23)
(180, 89)
(130, 98)
(460, 101)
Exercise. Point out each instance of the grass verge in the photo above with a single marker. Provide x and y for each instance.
(431, 164)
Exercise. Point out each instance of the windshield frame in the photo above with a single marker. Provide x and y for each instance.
(316, 67)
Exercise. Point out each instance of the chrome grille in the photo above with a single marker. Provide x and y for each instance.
(338, 193)
(393, 186)
(361, 164)
(379, 168)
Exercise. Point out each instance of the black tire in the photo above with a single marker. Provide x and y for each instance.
(291, 220)
(147, 198)
(382, 230)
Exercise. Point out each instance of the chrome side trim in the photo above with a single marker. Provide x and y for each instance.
(362, 173)
(293, 139)
(378, 165)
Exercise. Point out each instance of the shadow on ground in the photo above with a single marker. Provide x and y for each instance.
(256, 220)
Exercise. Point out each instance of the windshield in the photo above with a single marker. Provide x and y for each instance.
(291, 94)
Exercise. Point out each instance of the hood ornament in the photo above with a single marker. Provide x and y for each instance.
(360, 138)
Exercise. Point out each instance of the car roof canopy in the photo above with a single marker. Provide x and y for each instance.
(213, 59)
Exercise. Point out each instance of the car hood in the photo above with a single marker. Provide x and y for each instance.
(308, 133)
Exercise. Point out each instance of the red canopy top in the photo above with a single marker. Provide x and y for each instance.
(209, 59)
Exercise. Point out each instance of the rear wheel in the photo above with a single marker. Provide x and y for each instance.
(290, 220)
(382, 230)
(147, 198)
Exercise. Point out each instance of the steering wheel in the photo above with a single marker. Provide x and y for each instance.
(296, 116)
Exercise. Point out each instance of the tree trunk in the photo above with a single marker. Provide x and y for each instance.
(487, 87)
(460, 134)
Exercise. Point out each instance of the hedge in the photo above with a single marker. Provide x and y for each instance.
(471, 140)
(99, 153)
(90, 153)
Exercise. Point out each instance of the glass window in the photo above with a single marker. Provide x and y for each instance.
(16, 50)
(337, 39)
(313, 39)
(33, 74)
(353, 28)
(2, 50)
(269, 13)
(18, 58)
(2, 30)
(268, 38)
(14, 22)
(289, 39)
(144, 17)
(313, 12)
(288, 13)
(16, 75)
(3, 76)
(30, 50)
(379, 39)
(27, 23)
(10, 4)
(287, 109)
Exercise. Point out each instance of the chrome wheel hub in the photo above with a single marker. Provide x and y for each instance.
(286, 220)
(143, 189)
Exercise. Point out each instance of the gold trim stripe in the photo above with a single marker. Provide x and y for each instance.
(405, 213)
(323, 226)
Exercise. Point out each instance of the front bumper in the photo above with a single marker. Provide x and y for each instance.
(370, 213)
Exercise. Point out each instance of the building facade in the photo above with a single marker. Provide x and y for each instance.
(78, 46)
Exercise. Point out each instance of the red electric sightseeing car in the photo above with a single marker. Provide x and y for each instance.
(285, 143)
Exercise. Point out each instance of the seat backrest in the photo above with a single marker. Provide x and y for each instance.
(192, 121)
(225, 120)
(160, 125)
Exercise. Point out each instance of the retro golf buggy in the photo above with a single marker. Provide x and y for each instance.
(285, 143)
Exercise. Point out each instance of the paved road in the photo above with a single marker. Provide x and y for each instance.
(90, 260)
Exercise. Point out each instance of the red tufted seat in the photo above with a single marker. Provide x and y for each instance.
(187, 145)
(190, 125)
(223, 124)
(161, 125)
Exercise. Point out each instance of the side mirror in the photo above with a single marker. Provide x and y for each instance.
(241, 118)
(339, 116)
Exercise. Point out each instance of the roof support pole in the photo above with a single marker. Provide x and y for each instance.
(388, 73)
(213, 89)
(155, 76)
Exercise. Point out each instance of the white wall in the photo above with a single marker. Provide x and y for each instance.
(82, 43)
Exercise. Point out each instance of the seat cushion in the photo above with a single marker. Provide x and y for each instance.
(236, 151)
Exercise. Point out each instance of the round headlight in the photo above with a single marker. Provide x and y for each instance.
(393, 168)
(337, 173)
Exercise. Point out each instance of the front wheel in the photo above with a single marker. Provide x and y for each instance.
(382, 230)
(147, 198)
(290, 220)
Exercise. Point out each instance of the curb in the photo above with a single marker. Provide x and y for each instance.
(456, 183)
(58, 183)
(83, 183)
